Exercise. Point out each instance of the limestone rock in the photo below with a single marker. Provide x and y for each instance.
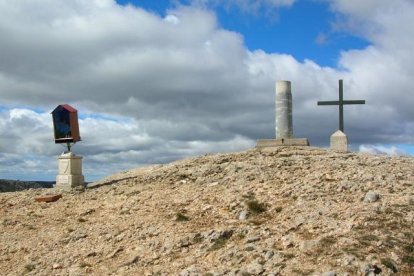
(371, 197)
(330, 273)
(255, 269)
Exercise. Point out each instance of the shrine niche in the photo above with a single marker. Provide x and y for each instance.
(65, 124)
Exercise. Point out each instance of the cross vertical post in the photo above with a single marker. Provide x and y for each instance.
(341, 105)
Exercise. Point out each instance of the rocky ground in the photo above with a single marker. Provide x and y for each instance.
(286, 211)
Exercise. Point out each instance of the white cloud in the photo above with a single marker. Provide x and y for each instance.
(246, 6)
(380, 149)
(178, 85)
(170, 18)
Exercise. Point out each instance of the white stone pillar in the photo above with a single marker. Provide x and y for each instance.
(284, 126)
(70, 172)
(339, 141)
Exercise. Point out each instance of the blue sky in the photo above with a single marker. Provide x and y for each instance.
(306, 30)
(157, 81)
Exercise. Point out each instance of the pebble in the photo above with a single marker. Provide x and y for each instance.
(252, 239)
(243, 215)
(189, 271)
(269, 254)
(370, 270)
(255, 268)
(329, 273)
(371, 197)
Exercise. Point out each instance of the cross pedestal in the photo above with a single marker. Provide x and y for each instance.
(70, 172)
(339, 142)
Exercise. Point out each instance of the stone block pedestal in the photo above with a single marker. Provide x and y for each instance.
(70, 172)
(283, 142)
(339, 142)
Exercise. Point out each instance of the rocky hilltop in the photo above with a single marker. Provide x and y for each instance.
(286, 211)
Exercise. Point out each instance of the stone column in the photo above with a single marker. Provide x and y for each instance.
(339, 141)
(284, 126)
(70, 172)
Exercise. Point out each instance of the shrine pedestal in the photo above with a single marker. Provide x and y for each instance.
(70, 172)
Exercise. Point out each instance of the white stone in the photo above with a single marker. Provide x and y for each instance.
(371, 197)
(339, 141)
(70, 172)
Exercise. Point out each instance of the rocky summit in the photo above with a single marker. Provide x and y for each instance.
(280, 211)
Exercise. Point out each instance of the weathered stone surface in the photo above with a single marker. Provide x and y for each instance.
(339, 141)
(48, 198)
(254, 269)
(283, 104)
(243, 215)
(330, 273)
(70, 172)
(314, 221)
(282, 142)
(371, 196)
(284, 121)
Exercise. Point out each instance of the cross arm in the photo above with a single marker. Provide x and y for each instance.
(329, 103)
(354, 102)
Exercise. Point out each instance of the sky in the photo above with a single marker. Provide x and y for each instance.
(157, 81)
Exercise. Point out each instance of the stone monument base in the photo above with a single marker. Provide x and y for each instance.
(339, 141)
(282, 142)
(70, 172)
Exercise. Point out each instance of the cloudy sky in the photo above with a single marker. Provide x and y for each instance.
(155, 81)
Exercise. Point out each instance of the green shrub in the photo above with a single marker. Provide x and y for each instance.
(389, 264)
(181, 217)
(29, 267)
(255, 207)
(219, 243)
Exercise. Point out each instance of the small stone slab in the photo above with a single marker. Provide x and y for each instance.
(283, 142)
(48, 198)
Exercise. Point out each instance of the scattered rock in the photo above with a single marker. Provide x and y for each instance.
(371, 197)
(370, 270)
(48, 198)
(190, 271)
(329, 273)
(252, 239)
(57, 266)
(255, 269)
(269, 254)
(244, 215)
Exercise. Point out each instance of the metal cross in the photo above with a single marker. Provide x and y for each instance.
(341, 104)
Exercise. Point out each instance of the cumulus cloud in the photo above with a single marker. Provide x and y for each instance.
(249, 6)
(151, 89)
(380, 149)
